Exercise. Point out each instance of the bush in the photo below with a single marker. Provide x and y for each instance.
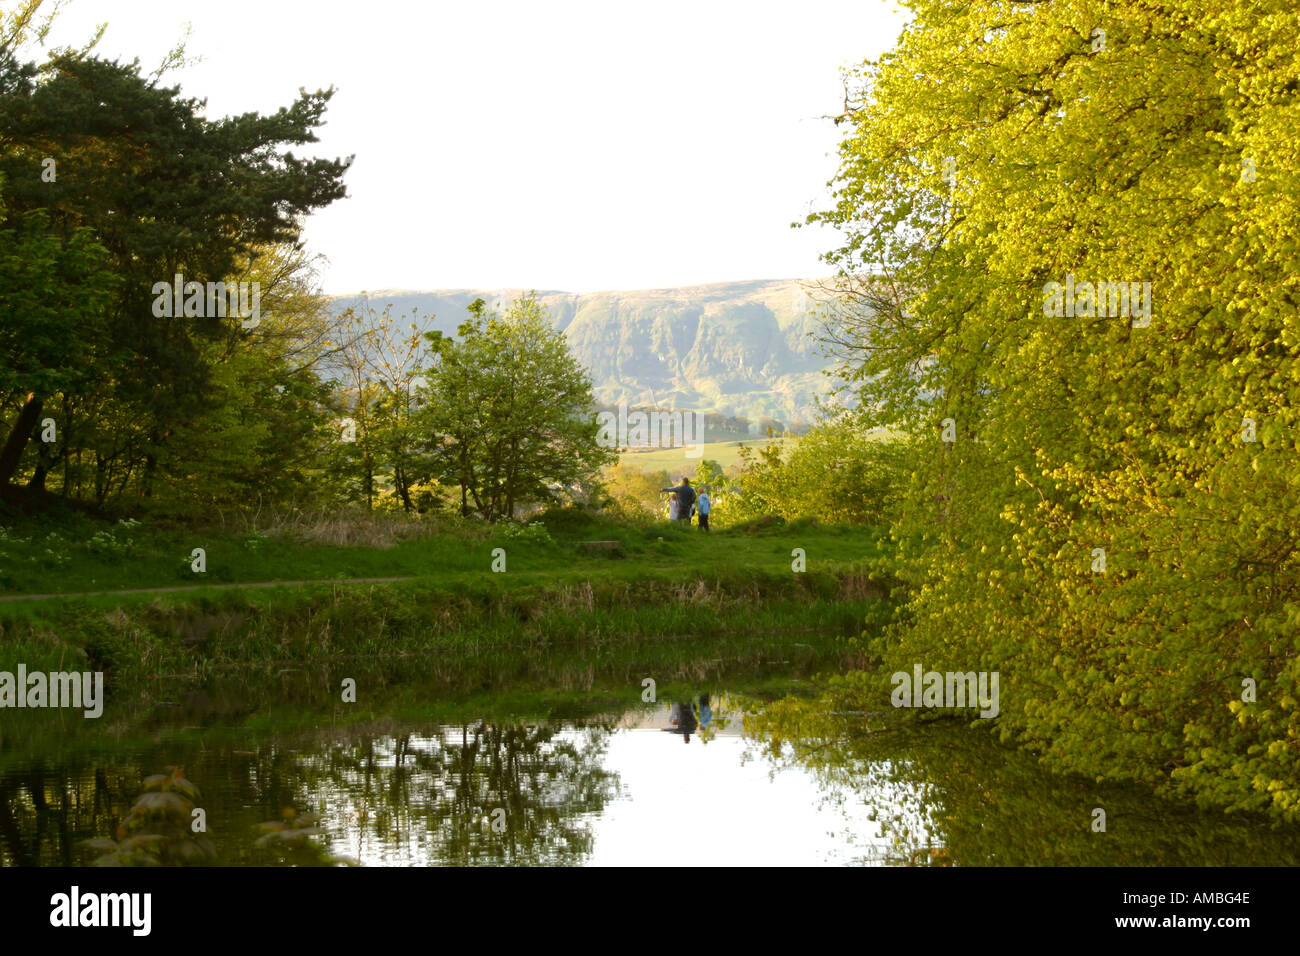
(838, 473)
(567, 520)
(533, 532)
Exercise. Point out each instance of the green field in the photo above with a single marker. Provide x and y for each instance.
(672, 460)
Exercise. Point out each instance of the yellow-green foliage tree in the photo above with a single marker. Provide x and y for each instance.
(837, 473)
(636, 494)
(1105, 507)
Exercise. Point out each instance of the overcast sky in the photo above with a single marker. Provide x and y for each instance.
(547, 145)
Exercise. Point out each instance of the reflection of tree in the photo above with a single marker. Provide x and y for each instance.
(545, 781)
(400, 798)
(942, 793)
(854, 764)
(434, 798)
(945, 793)
(44, 813)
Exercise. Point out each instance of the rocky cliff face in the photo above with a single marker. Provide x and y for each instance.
(736, 348)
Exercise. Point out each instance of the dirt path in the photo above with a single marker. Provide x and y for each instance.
(204, 587)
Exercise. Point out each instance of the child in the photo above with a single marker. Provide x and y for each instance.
(703, 505)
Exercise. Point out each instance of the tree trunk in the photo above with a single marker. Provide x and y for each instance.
(12, 453)
(12, 835)
(403, 488)
(150, 468)
(37, 482)
(101, 478)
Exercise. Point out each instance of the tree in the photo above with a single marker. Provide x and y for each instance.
(53, 296)
(22, 25)
(165, 191)
(708, 474)
(261, 433)
(381, 368)
(837, 473)
(636, 493)
(511, 411)
(1104, 505)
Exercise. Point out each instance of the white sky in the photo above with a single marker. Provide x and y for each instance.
(550, 145)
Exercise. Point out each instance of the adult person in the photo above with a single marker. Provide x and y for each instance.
(682, 720)
(685, 499)
(703, 505)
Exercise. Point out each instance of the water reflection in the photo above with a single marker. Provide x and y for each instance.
(482, 794)
(682, 720)
(767, 783)
(948, 794)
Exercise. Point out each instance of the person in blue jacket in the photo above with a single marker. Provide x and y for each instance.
(703, 505)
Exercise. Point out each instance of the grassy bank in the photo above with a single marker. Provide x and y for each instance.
(665, 602)
(72, 553)
(153, 635)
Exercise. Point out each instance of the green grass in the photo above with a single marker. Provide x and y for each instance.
(88, 556)
(172, 632)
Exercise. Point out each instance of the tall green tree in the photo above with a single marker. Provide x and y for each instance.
(165, 191)
(261, 433)
(511, 411)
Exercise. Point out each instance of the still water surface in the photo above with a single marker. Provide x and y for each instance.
(704, 780)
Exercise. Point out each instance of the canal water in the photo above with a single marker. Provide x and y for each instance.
(717, 774)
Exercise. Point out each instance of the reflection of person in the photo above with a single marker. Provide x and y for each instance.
(682, 718)
(705, 712)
